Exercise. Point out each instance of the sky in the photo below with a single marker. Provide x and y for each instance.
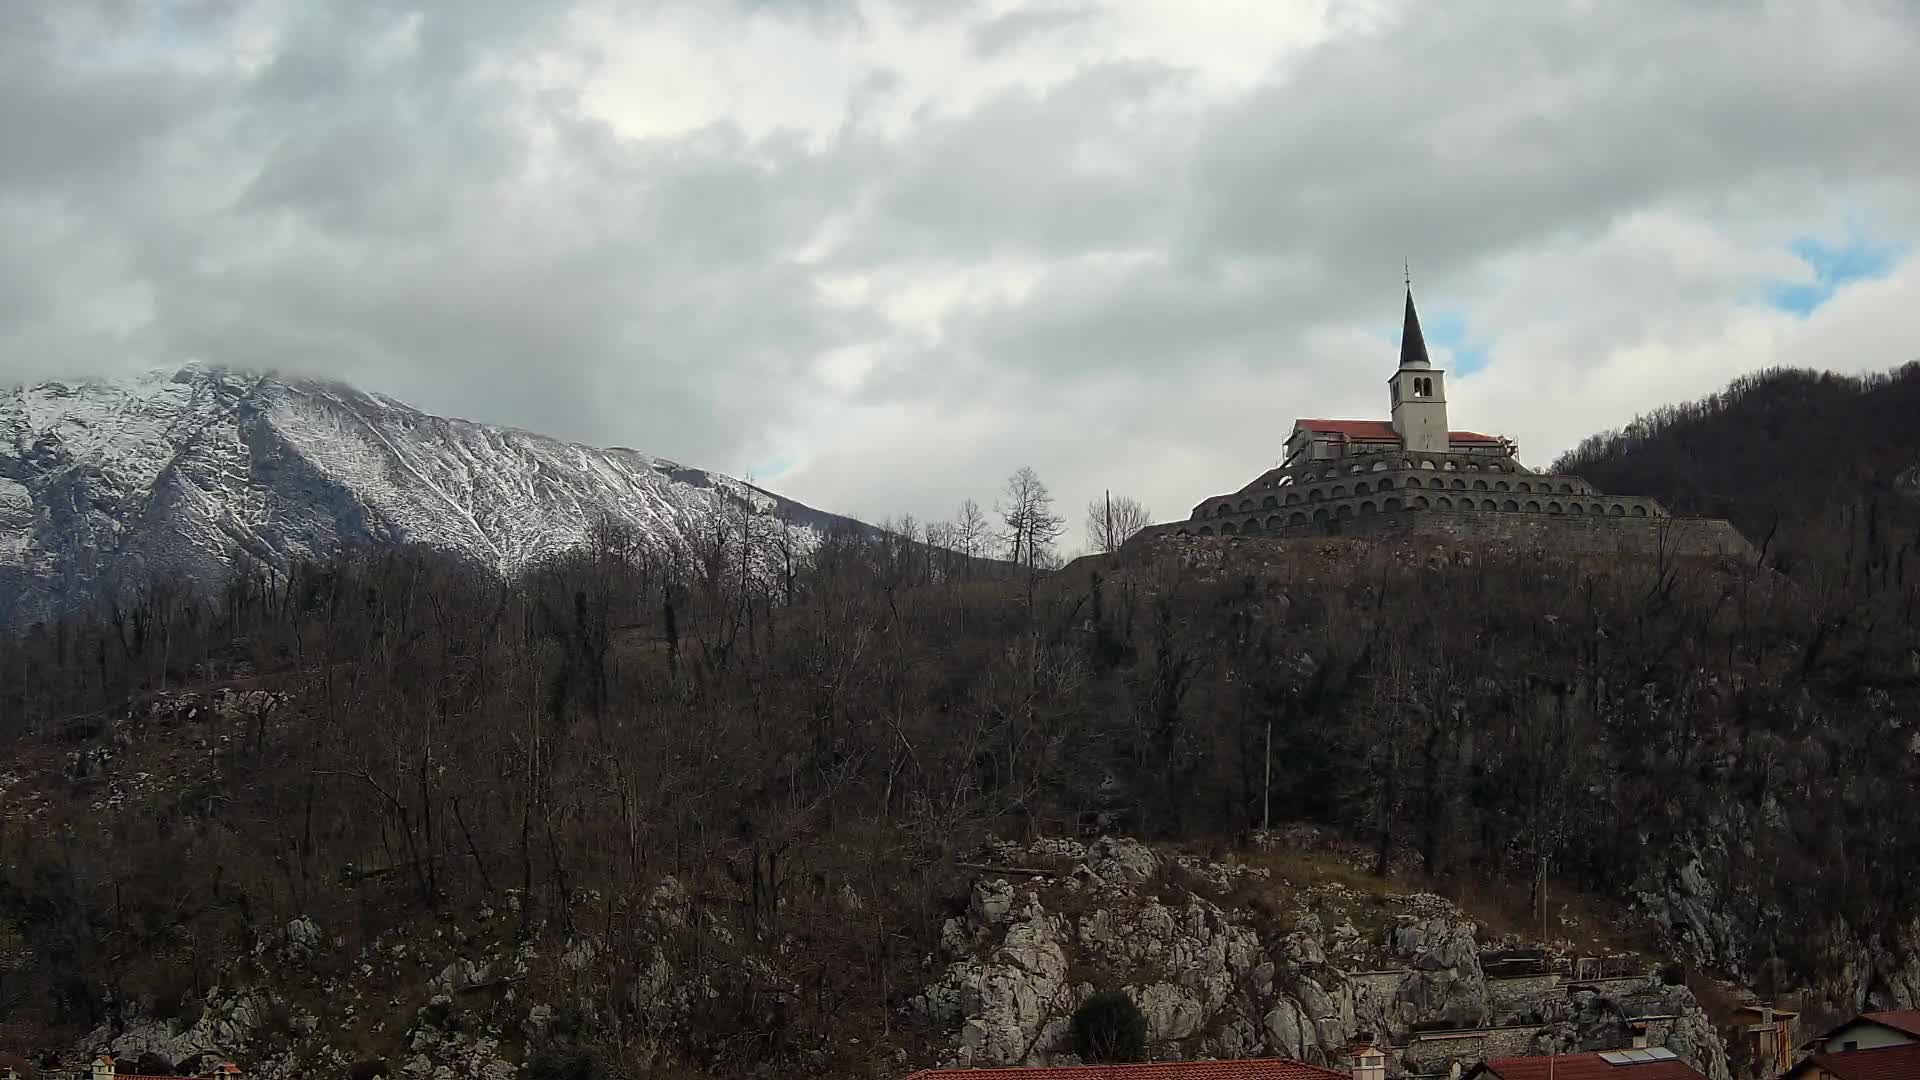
(877, 254)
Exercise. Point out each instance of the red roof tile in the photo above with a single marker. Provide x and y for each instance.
(1265, 1069)
(1585, 1067)
(1907, 1020)
(1380, 431)
(1880, 1063)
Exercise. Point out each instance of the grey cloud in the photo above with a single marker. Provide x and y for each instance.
(418, 223)
(1003, 32)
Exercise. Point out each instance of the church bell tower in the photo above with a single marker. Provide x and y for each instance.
(1419, 391)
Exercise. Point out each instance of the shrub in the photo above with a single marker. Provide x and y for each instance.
(1110, 1027)
(569, 1065)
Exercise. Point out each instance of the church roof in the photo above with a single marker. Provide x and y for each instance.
(1380, 431)
(1413, 344)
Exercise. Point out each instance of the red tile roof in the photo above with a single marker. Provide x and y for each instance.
(1380, 431)
(1880, 1063)
(1585, 1067)
(1265, 1069)
(1907, 1020)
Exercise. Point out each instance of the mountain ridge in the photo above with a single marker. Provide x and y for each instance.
(181, 470)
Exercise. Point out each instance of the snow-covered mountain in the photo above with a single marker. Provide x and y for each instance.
(178, 471)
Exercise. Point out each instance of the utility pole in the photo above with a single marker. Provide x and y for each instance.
(1266, 787)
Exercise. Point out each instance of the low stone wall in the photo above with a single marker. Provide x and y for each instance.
(1432, 1052)
(1563, 534)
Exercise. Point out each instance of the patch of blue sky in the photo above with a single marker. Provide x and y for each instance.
(1834, 266)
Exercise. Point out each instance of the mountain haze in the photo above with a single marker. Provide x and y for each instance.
(180, 472)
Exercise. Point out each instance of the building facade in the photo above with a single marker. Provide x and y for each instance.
(1340, 477)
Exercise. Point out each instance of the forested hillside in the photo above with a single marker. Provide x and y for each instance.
(391, 744)
(1811, 463)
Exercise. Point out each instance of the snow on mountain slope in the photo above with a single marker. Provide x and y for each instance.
(176, 471)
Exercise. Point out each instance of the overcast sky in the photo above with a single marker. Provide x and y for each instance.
(877, 255)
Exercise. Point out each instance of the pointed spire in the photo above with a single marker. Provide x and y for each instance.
(1413, 345)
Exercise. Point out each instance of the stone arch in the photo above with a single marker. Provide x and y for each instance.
(1426, 463)
(1206, 530)
(1489, 504)
(1360, 488)
(1420, 502)
(1339, 492)
(1296, 518)
(1448, 465)
(1524, 486)
(1596, 508)
(1437, 484)
(1250, 527)
(1292, 497)
(1443, 503)
(1502, 485)
(1617, 510)
(1320, 515)
(1639, 510)
(1356, 469)
(1566, 489)
(1510, 506)
(1473, 466)
(1343, 511)
(1315, 495)
(1406, 463)
(1386, 483)
(1269, 503)
(1223, 508)
(1228, 528)
(1576, 508)
(1274, 524)
(1367, 507)
(1533, 506)
(1380, 466)
(1554, 508)
(1393, 504)
(1464, 504)
(1459, 484)
(1479, 485)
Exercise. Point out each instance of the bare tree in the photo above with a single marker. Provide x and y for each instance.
(1027, 511)
(1113, 520)
(970, 531)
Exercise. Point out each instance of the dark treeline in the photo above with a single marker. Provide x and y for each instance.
(1802, 461)
(809, 738)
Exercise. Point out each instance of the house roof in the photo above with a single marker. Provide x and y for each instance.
(1379, 431)
(1584, 1067)
(1900, 1062)
(1904, 1021)
(1263, 1069)
(1907, 1020)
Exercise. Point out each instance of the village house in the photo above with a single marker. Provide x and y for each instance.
(1871, 1046)
(1765, 1035)
(103, 1069)
(1366, 1062)
(1649, 1063)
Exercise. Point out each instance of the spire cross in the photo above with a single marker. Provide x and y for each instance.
(1409, 268)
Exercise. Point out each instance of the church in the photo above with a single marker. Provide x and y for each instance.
(1410, 470)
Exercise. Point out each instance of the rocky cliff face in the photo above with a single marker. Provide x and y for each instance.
(179, 472)
(1221, 981)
